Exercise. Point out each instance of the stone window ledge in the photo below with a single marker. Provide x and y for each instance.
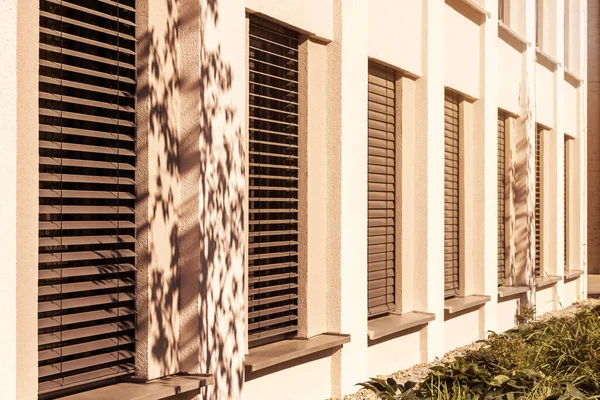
(547, 280)
(572, 78)
(394, 323)
(473, 5)
(509, 291)
(277, 353)
(574, 273)
(502, 27)
(546, 59)
(458, 304)
(156, 389)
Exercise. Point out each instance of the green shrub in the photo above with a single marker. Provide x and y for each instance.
(558, 359)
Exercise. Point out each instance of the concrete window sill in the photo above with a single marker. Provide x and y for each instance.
(473, 5)
(394, 323)
(288, 350)
(547, 281)
(510, 291)
(546, 59)
(151, 390)
(503, 28)
(572, 274)
(458, 304)
(572, 77)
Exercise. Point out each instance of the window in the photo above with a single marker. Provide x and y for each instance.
(381, 190)
(504, 11)
(566, 203)
(451, 196)
(273, 183)
(501, 196)
(86, 293)
(538, 200)
(539, 33)
(567, 35)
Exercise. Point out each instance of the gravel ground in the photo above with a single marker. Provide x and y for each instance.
(420, 371)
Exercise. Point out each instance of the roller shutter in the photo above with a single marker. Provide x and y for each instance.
(501, 206)
(273, 183)
(538, 200)
(381, 190)
(451, 196)
(86, 293)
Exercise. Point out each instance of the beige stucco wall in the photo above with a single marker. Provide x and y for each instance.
(571, 109)
(192, 230)
(546, 300)
(313, 17)
(398, 26)
(544, 96)
(462, 329)
(19, 198)
(307, 381)
(462, 45)
(507, 307)
(510, 67)
(397, 352)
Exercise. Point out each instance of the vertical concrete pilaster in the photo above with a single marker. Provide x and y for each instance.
(486, 131)
(19, 199)
(429, 173)
(524, 164)
(157, 187)
(553, 201)
(348, 64)
(213, 170)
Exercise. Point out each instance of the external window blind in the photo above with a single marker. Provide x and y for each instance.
(538, 200)
(381, 190)
(273, 183)
(86, 293)
(501, 205)
(566, 203)
(451, 195)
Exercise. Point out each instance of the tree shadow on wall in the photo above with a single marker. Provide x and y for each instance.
(196, 201)
(522, 269)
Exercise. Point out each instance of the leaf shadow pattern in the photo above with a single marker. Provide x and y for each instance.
(195, 225)
(521, 180)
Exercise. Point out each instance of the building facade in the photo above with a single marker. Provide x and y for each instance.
(262, 199)
(593, 110)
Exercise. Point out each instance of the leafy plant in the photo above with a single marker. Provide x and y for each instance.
(389, 389)
(557, 359)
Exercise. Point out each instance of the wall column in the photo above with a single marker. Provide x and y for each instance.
(429, 173)
(524, 165)
(19, 198)
(157, 186)
(486, 134)
(347, 104)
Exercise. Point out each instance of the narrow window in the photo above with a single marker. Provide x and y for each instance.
(501, 196)
(538, 200)
(567, 35)
(451, 196)
(273, 183)
(502, 5)
(566, 203)
(86, 286)
(539, 23)
(381, 190)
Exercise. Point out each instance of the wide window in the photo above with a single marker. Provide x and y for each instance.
(273, 183)
(87, 86)
(451, 196)
(381, 190)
